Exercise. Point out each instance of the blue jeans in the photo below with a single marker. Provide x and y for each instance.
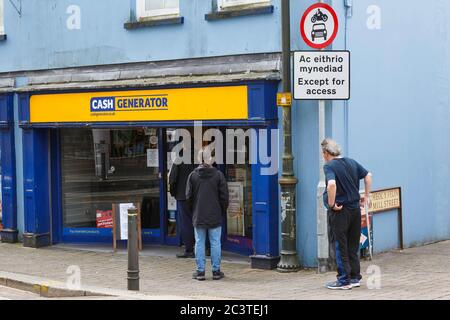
(216, 250)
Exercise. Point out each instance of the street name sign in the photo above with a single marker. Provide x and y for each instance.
(385, 200)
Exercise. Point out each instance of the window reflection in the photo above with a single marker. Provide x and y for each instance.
(104, 166)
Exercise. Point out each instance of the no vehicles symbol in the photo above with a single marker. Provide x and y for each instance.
(319, 26)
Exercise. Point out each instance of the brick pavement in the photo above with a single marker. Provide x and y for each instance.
(416, 273)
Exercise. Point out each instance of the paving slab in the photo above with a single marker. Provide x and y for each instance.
(415, 273)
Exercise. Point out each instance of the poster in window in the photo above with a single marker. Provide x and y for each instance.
(236, 174)
(171, 202)
(104, 219)
(152, 158)
(235, 212)
(241, 174)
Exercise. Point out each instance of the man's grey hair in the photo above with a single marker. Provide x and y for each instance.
(331, 147)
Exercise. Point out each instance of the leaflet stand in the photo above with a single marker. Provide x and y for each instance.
(116, 224)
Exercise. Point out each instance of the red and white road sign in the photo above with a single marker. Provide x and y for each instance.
(319, 26)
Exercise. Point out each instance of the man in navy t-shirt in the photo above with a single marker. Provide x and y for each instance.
(342, 199)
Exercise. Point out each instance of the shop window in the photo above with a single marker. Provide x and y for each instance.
(225, 4)
(156, 8)
(2, 28)
(102, 167)
(239, 179)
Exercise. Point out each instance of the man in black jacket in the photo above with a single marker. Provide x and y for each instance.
(178, 176)
(207, 194)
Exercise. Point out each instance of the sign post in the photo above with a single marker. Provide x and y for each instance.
(321, 75)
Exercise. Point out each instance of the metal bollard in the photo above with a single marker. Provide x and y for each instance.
(133, 252)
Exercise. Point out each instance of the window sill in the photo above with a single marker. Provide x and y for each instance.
(238, 12)
(2, 37)
(153, 23)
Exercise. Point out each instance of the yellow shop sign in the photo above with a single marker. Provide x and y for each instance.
(212, 103)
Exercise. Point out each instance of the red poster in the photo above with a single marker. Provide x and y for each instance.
(104, 219)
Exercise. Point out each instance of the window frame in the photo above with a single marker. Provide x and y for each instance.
(225, 4)
(141, 13)
(2, 18)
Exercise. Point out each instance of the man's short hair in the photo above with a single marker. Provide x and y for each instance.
(331, 147)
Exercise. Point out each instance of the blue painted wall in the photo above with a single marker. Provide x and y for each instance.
(396, 123)
(40, 39)
(399, 112)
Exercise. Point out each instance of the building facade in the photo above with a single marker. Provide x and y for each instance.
(66, 158)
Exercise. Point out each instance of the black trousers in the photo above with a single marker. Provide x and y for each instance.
(345, 227)
(187, 229)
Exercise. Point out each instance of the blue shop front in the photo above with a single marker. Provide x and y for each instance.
(87, 151)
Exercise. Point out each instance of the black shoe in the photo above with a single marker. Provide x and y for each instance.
(199, 275)
(217, 275)
(186, 255)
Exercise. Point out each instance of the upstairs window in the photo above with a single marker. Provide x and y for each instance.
(156, 8)
(225, 4)
(2, 29)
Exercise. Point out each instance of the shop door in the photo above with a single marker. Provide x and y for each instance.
(237, 231)
(171, 218)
